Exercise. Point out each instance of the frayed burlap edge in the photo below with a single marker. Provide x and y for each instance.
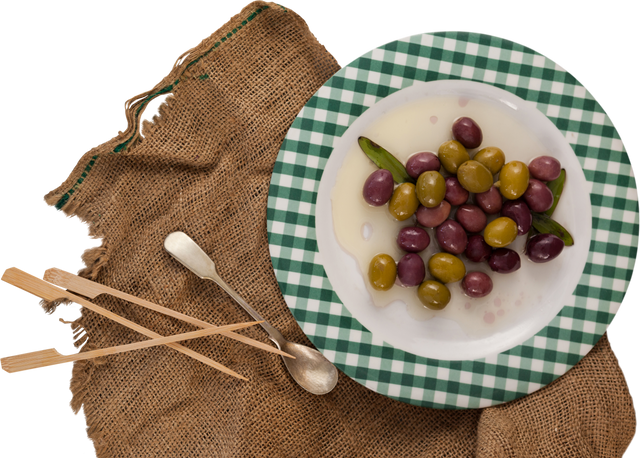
(63, 197)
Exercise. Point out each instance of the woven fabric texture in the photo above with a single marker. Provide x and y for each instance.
(203, 167)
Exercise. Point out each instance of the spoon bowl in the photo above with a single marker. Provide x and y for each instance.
(310, 369)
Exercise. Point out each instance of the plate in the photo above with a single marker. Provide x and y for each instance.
(447, 371)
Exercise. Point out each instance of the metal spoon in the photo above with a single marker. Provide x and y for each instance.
(310, 369)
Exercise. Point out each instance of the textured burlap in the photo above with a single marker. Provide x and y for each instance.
(204, 168)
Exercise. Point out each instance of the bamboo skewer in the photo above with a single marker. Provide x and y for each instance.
(50, 356)
(49, 292)
(92, 289)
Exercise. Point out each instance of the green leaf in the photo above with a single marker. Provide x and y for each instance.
(545, 225)
(385, 160)
(556, 187)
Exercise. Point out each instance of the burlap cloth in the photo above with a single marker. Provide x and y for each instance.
(204, 168)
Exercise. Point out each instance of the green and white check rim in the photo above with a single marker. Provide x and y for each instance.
(302, 278)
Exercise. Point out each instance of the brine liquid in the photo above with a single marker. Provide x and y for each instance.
(364, 231)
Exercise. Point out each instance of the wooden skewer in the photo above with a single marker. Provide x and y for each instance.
(92, 289)
(49, 292)
(50, 356)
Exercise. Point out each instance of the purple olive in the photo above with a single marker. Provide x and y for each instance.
(471, 217)
(489, 201)
(422, 162)
(545, 168)
(477, 249)
(413, 239)
(378, 188)
(544, 247)
(538, 196)
(518, 211)
(504, 261)
(455, 194)
(477, 284)
(433, 217)
(451, 237)
(411, 270)
(466, 131)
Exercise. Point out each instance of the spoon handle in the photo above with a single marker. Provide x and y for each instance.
(189, 254)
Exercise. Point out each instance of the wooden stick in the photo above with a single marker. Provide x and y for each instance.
(50, 356)
(92, 289)
(49, 292)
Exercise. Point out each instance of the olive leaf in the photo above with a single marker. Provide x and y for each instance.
(556, 187)
(385, 160)
(545, 225)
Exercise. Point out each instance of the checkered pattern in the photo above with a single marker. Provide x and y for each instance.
(291, 221)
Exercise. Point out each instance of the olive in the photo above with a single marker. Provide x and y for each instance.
(477, 249)
(452, 155)
(404, 202)
(545, 168)
(518, 211)
(430, 188)
(422, 162)
(411, 270)
(475, 177)
(382, 272)
(434, 295)
(433, 217)
(489, 201)
(455, 193)
(378, 188)
(538, 196)
(544, 247)
(446, 267)
(471, 217)
(467, 132)
(514, 179)
(504, 261)
(451, 237)
(500, 232)
(477, 284)
(491, 157)
(413, 239)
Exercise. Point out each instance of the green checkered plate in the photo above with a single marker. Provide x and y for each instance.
(429, 363)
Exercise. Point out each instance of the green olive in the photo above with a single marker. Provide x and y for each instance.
(452, 155)
(491, 157)
(430, 189)
(382, 272)
(434, 295)
(500, 232)
(514, 179)
(475, 177)
(446, 268)
(404, 202)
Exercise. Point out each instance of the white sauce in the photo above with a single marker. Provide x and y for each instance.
(364, 231)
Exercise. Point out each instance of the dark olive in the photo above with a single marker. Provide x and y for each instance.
(411, 270)
(422, 162)
(433, 217)
(490, 201)
(413, 239)
(545, 168)
(477, 249)
(538, 196)
(455, 193)
(544, 247)
(477, 284)
(518, 211)
(378, 188)
(467, 132)
(504, 261)
(451, 237)
(471, 217)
